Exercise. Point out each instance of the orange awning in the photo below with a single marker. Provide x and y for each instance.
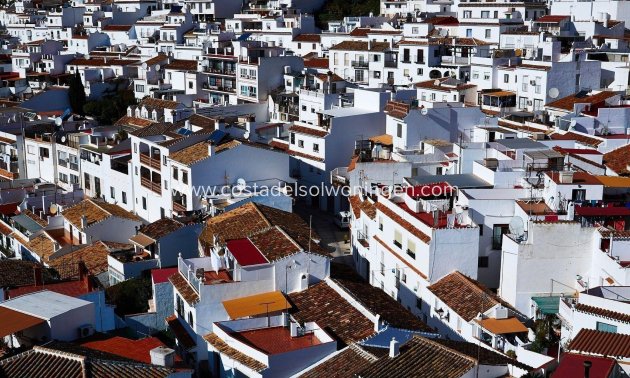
(502, 326)
(256, 305)
(384, 139)
(15, 321)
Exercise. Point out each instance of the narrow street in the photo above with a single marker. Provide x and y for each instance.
(323, 223)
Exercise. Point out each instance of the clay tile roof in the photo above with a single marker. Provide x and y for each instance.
(133, 121)
(136, 350)
(601, 343)
(182, 64)
(361, 46)
(431, 84)
(95, 211)
(333, 313)
(403, 223)
(465, 296)
(308, 131)
(581, 138)
(618, 159)
(223, 348)
(324, 77)
(366, 206)
(602, 312)
(442, 21)
(253, 218)
(550, 19)
(191, 154)
(117, 28)
(94, 256)
(185, 290)
(315, 38)
(347, 363)
(161, 228)
(567, 103)
(375, 299)
(274, 244)
(14, 273)
(363, 32)
(421, 357)
(42, 245)
(316, 63)
(157, 103)
(202, 121)
(159, 58)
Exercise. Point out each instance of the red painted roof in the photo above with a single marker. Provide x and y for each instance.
(162, 275)
(602, 211)
(245, 252)
(572, 365)
(137, 350)
(9, 209)
(551, 19)
(275, 340)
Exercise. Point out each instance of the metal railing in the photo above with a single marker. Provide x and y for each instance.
(359, 64)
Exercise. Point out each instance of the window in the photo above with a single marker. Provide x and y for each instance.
(486, 75)
(165, 185)
(411, 249)
(190, 85)
(315, 147)
(30, 150)
(175, 173)
(44, 152)
(140, 88)
(525, 82)
(485, 14)
(475, 75)
(406, 72)
(578, 195)
(419, 303)
(86, 180)
(482, 262)
(398, 239)
(380, 223)
(112, 192)
(467, 14)
(399, 130)
(185, 177)
(293, 134)
(300, 143)
(506, 78)
(144, 203)
(498, 230)
(469, 33)
(420, 71)
(488, 33)
(124, 197)
(604, 327)
(377, 74)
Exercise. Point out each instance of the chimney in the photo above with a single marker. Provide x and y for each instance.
(162, 356)
(84, 222)
(369, 44)
(84, 275)
(587, 368)
(187, 125)
(211, 148)
(38, 276)
(394, 348)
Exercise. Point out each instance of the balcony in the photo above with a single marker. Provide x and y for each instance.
(391, 64)
(178, 207)
(149, 161)
(463, 60)
(63, 163)
(339, 176)
(220, 71)
(360, 64)
(147, 183)
(362, 238)
(218, 88)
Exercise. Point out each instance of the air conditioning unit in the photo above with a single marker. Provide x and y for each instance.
(86, 330)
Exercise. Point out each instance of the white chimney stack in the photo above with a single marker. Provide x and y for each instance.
(162, 356)
(394, 348)
(84, 222)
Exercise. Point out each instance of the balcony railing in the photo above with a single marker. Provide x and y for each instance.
(449, 59)
(339, 176)
(188, 272)
(359, 64)
(390, 64)
(178, 207)
(157, 188)
(149, 162)
(63, 163)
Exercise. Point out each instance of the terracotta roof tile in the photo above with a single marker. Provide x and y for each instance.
(580, 138)
(567, 103)
(618, 159)
(274, 244)
(157, 103)
(366, 206)
(347, 363)
(322, 63)
(308, 131)
(421, 357)
(361, 46)
(14, 273)
(550, 19)
(223, 348)
(182, 64)
(43, 246)
(403, 223)
(602, 312)
(465, 296)
(375, 299)
(601, 343)
(161, 228)
(314, 38)
(94, 256)
(184, 289)
(95, 211)
(133, 121)
(323, 305)
(191, 154)
(124, 28)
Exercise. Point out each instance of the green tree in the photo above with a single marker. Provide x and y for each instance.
(76, 94)
(131, 296)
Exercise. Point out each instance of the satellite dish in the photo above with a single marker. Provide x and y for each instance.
(144, 65)
(517, 228)
(436, 83)
(424, 111)
(553, 92)
(157, 67)
(53, 208)
(63, 139)
(58, 121)
(246, 135)
(241, 183)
